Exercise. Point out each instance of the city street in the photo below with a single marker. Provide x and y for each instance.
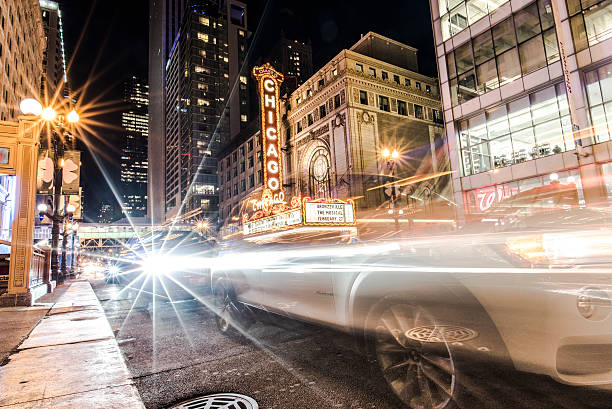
(177, 353)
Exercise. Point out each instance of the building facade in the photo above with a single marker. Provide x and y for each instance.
(338, 123)
(165, 17)
(240, 170)
(134, 153)
(516, 78)
(54, 58)
(22, 45)
(206, 97)
(367, 99)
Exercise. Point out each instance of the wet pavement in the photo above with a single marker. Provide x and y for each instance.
(175, 352)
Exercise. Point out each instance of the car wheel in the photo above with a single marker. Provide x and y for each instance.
(230, 314)
(413, 356)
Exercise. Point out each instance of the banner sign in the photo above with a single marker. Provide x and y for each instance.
(44, 175)
(71, 173)
(275, 222)
(269, 81)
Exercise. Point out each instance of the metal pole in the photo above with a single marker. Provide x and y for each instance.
(391, 165)
(64, 240)
(57, 186)
(72, 255)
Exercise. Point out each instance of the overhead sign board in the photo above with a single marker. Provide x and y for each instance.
(328, 213)
(269, 81)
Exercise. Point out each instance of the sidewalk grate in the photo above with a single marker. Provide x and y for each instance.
(218, 401)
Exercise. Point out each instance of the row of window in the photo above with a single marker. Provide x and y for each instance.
(396, 78)
(456, 15)
(403, 108)
(590, 21)
(234, 170)
(243, 186)
(599, 95)
(320, 85)
(233, 158)
(319, 113)
(530, 127)
(516, 46)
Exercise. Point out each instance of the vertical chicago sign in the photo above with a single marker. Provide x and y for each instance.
(269, 81)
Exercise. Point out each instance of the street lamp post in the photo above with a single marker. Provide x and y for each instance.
(31, 106)
(75, 229)
(391, 157)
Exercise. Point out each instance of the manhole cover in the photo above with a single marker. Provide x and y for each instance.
(441, 333)
(219, 401)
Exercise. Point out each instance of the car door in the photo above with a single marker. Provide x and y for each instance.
(301, 285)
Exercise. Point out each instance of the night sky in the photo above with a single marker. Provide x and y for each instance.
(115, 46)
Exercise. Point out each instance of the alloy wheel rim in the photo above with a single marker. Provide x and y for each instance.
(422, 374)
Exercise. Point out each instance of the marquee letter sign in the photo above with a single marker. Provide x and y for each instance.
(269, 81)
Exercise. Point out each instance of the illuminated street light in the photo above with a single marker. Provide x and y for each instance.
(48, 114)
(70, 208)
(30, 106)
(385, 153)
(395, 154)
(73, 117)
(42, 208)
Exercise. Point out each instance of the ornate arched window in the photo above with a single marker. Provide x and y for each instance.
(319, 174)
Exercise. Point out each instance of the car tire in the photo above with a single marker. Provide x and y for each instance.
(231, 316)
(422, 374)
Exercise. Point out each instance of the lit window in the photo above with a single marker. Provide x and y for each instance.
(205, 21)
(203, 37)
(203, 102)
(359, 67)
(243, 118)
(243, 79)
(373, 72)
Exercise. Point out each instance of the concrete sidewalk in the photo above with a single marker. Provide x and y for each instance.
(70, 360)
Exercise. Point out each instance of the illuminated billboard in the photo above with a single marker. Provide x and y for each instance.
(269, 81)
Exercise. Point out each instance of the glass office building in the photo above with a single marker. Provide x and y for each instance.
(508, 72)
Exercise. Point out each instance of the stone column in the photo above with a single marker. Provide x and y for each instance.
(19, 292)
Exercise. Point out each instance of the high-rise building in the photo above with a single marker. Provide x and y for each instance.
(21, 53)
(54, 57)
(206, 97)
(164, 22)
(227, 26)
(294, 59)
(134, 153)
(517, 78)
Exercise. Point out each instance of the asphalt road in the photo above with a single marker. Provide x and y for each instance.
(175, 352)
